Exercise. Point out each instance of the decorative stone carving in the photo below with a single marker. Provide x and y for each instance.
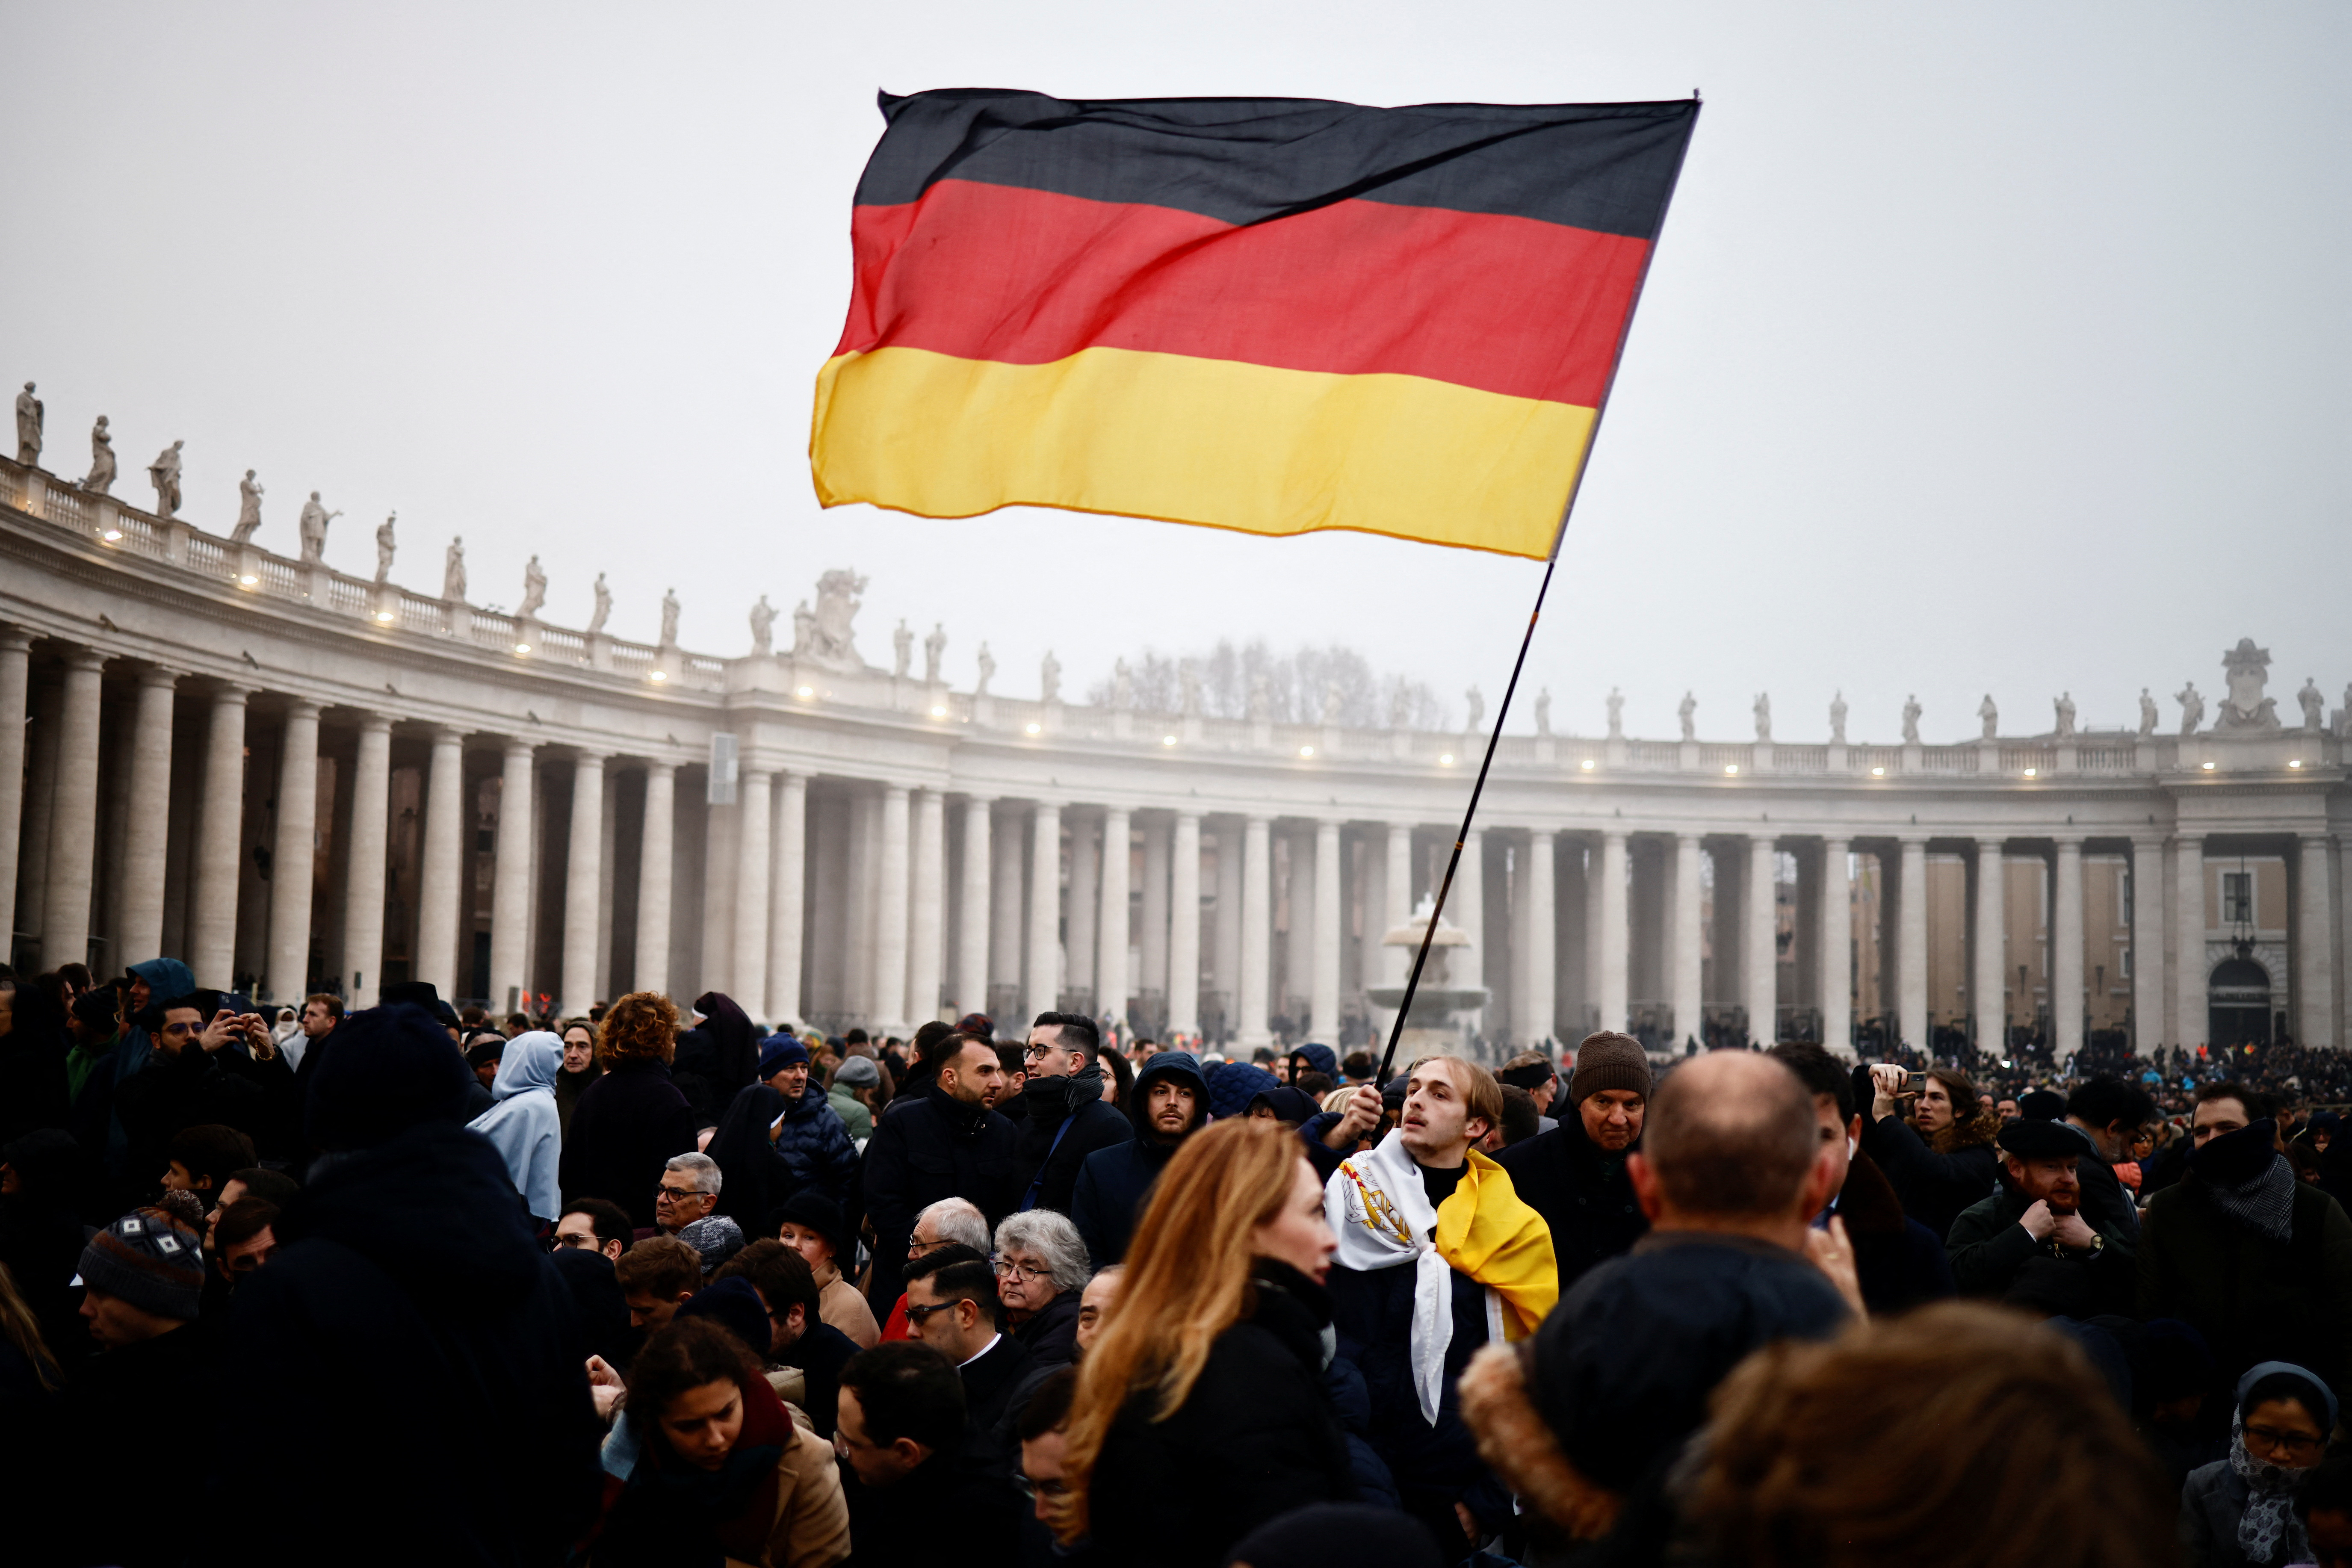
(1260, 699)
(1049, 678)
(902, 651)
(313, 525)
(935, 648)
(1477, 706)
(604, 606)
(764, 629)
(2193, 708)
(28, 427)
(1616, 714)
(1989, 714)
(669, 610)
(1188, 680)
(248, 511)
(987, 671)
(453, 571)
(2315, 705)
(1837, 717)
(1543, 711)
(831, 635)
(385, 543)
(2148, 714)
(1911, 719)
(1399, 707)
(102, 459)
(2247, 668)
(1764, 716)
(1687, 711)
(2066, 706)
(1122, 686)
(534, 590)
(164, 473)
(1330, 703)
(803, 630)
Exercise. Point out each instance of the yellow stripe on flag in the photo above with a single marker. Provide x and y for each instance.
(1217, 442)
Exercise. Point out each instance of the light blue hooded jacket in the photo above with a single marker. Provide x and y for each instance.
(523, 1125)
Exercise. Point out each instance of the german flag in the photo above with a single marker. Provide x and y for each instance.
(1275, 315)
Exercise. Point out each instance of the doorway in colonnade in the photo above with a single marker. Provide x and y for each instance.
(2238, 1004)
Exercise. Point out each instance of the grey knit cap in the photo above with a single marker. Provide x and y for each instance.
(149, 1260)
(857, 1072)
(1609, 1060)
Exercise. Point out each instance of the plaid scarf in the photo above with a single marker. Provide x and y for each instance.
(2264, 1204)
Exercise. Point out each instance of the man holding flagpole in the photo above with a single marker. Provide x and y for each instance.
(1437, 1256)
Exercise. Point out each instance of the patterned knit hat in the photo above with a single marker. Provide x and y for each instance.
(149, 1260)
(1609, 1061)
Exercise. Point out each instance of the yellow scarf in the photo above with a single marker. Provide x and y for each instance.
(1485, 1231)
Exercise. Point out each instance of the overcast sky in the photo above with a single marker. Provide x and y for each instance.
(2000, 347)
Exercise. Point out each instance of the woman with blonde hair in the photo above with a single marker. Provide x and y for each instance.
(1208, 1374)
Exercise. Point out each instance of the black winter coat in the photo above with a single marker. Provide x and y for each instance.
(1583, 1193)
(2252, 1298)
(1934, 1187)
(1255, 1438)
(1051, 1336)
(922, 1150)
(198, 1087)
(628, 1124)
(121, 1405)
(1096, 1124)
(1898, 1262)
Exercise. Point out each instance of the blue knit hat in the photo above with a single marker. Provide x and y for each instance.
(778, 1052)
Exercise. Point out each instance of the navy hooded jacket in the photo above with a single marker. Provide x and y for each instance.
(1114, 1182)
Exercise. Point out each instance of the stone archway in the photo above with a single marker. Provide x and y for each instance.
(2238, 1004)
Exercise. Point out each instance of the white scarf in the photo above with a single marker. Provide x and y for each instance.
(1381, 1213)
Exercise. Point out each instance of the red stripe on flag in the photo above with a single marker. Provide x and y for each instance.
(1024, 277)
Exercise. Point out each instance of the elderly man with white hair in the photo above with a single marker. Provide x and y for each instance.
(683, 1206)
(1041, 1269)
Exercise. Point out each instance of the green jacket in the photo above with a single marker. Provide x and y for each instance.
(2254, 1299)
(1994, 1256)
(853, 1114)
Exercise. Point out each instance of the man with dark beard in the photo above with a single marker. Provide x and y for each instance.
(1168, 1104)
(1066, 1117)
(944, 1142)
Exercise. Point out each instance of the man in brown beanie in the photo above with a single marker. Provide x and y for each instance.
(1574, 1175)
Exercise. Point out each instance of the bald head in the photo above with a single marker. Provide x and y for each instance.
(1732, 1134)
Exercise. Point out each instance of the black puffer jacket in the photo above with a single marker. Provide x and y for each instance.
(1582, 1193)
(922, 1150)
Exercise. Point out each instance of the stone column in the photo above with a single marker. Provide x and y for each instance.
(2189, 973)
(971, 911)
(754, 862)
(926, 923)
(1041, 980)
(1298, 936)
(894, 876)
(1689, 1000)
(786, 899)
(658, 847)
(1372, 890)
(714, 954)
(441, 872)
(294, 860)
(1758, 956)
(1258, 934)
(1184, 924)
(1466, 906)
(2065, 950)
(1324, 998)
(1836, 948)
(1111, 941)
(73, 814)
(1154, 940)
(1911, 944)
(147, 834)
(1615, 931)
(16, 663)
(1396, 961)
(511, 880)
(584, 875)
(2148, 944)
(1084, 862)
(2314, 941)
(362, 961)
(1988, 968)
(1535, 958)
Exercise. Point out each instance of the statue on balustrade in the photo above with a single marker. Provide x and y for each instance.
(2315, 705)
(1187, 679)
(2148, 713)
(1764, 716)
(1478, 705)
(1616, 714)
(1837, 717)
(1687, 710)
(1260, 707)
(2193, 708)
(248, 510)
(534, 590)
(1911, 719)
(102, 459)
(1543, 711)
(1989, 713)
(385, 543)
(28, 427)
(313, 524)
(164, 473)
(1122, 685)
(669, 618)
(832, 636)
(2065, 704)
(763, 627)
(604, 606)
(1049, 678)
(2247, 668)
(803, 629)
(453, 571)
(935, 649)
(987, 671)
(1330, 704)
(902, 650)
(1400, 706)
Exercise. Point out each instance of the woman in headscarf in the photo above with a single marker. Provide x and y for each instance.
(580, 1069)
(524, 1125)
(2241, 1510)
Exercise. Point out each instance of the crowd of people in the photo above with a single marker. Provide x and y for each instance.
(658, 1288)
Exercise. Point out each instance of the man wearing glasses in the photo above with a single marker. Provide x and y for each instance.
(951, 1306)
(196, 1078)
(1067, 1117)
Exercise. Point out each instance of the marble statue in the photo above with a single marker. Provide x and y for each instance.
(669, 618)
(534, 590)
(803, 629)
(1122, 686)
(1543, 711)
(28, 427)
(165, 471)
(1911, 719)
(935, 649)
(1188, 680)
(1049, 678)
(1687, 710)
(2247, 668)
(385, 543)
(832, 636)
(2315, 705)
(1837, 717)
(248, 510)
(102, 459)
(763, 627)
(2148, 713)
(1330, 703)
(987, 671)
(2193, 708)
(1990, 712)
(1616, 714)
(1399, 707)
(453, 571)
(604, 606)
(1260, 699)
(1478, 705)
(313, 524)
(2066, 706)
(1764, 716)
(902, 650)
